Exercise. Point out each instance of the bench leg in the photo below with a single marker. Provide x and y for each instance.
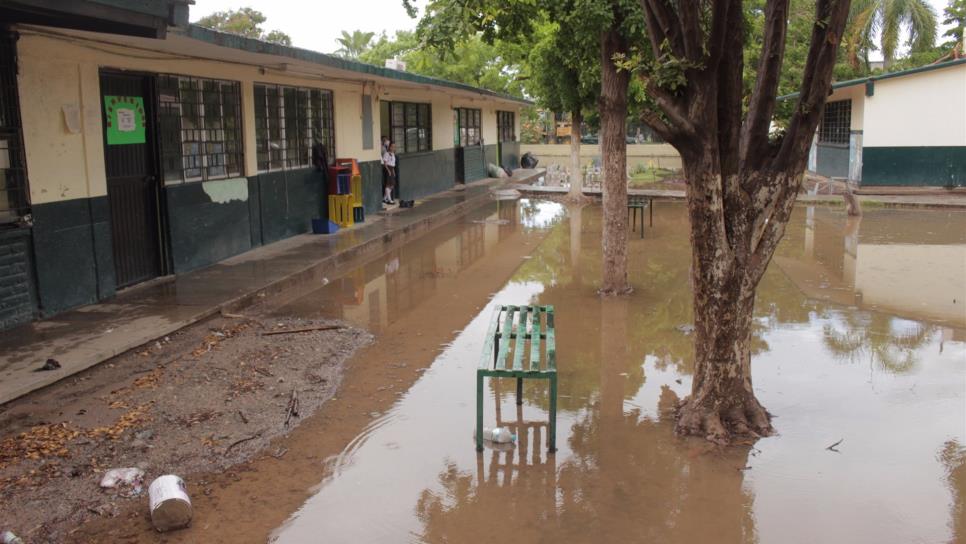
(650, 208)
(642, 222)
(519, 391)
(552, 435)
(479, 411)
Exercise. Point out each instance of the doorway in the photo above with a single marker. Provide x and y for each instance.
(130, 161)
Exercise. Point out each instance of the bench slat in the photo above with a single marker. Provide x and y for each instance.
(551, 342)
(535, 340)
(521, 338)
(505, 334)
(486, 360)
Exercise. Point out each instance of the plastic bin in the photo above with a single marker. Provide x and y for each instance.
(358, 213)
(340, 209)
(339, 179)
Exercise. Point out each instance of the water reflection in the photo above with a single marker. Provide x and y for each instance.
(834, 358)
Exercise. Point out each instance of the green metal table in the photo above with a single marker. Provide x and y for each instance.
(636, 203)
(515, 342)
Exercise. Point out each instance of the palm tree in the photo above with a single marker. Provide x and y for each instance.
(354, 44)
(888, 19)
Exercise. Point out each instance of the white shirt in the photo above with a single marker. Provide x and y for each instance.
(389, 159)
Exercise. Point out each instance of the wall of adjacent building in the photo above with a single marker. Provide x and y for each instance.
(915, 129)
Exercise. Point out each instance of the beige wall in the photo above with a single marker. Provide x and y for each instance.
(925, 109)
(58, 73)
(658, 155)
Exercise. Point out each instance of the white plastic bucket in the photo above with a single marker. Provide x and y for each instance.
(169, 503)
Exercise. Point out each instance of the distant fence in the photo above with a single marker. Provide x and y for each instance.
(639, 156)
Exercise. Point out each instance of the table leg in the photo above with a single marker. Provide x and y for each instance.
(479, 411)
(650, 206)
(552, 435)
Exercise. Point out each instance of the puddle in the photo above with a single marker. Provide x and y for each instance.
(860, 339)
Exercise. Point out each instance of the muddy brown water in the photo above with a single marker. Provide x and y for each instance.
(860, 340)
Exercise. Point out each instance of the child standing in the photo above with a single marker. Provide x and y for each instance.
(389, 167)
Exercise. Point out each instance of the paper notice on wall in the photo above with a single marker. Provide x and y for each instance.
(125, 120)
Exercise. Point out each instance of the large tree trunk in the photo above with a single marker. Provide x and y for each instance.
(613, 147)
(576, 179)
(725, 274)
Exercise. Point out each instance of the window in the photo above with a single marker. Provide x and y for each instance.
(408, 125)
(506, 126)
(836, 123)
(13, 171)
(200, 124)
(288, 122)
(469, 127)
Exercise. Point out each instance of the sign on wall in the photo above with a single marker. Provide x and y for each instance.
(125, 120)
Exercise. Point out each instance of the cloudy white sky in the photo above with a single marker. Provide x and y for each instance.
(316, 25)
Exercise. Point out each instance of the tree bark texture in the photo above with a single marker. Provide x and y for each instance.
(613, 148)
(742, 184)
(576, 178)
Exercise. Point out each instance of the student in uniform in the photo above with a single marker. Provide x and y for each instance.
(389, 167)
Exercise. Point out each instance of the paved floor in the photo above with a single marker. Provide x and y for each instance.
(953, 199)
(86, 336)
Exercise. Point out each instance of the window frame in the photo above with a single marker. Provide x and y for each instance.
(836, 125)
(314, 113)
(14, 188)
(470, 126)
(415, 126)
(506, 127)
(217, 139)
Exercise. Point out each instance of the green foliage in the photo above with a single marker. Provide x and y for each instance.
(354, 44)
(954, 16)
(244, 22)
(472, 61)
(888, 19)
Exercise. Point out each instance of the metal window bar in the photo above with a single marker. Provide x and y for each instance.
(14, 199)
(506, 126)
(410, 126)
(200, 126)
(288, 122)
(470, 133)
(836, 122)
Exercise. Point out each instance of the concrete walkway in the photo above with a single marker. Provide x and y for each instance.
(936, 199)
(86, 336)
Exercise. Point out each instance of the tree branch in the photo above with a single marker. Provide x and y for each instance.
(663, 24)
(830, 17)
(754, 134)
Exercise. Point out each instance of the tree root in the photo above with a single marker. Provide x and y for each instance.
(615, 292)
(738, 423)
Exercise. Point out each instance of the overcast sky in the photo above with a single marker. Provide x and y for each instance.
(316, 25)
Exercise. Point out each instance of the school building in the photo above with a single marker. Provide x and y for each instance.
(902, 128)
(134, 145)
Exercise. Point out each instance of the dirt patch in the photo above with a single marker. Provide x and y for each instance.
(205, 398)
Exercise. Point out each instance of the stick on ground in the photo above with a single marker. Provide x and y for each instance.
(305, 329)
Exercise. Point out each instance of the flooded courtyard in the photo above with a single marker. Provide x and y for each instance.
(859, 352)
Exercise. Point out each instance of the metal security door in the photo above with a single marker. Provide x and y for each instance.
(132, 180)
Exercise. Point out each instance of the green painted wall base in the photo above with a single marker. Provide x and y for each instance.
(208, 222)
(422, 174)
(72, 250)
(914, 166)
(833, 160)
(18, 300)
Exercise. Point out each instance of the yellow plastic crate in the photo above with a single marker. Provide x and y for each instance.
(355, 188)
(340, 209)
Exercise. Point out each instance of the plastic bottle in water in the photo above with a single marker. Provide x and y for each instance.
(500, 435)
(7, 537)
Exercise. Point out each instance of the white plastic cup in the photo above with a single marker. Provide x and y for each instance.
(169, 503)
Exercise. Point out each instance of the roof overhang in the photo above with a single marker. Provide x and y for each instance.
(869, 82)
(144, 18)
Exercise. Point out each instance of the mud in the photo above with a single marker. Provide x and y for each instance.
(202, 399)
(859, 342)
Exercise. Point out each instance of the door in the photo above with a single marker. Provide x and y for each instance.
(127, 101)
(458, 147)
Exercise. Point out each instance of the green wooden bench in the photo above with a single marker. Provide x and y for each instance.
(517, 337)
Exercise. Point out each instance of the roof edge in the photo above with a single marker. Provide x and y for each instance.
(251, 45)
(890, 75)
